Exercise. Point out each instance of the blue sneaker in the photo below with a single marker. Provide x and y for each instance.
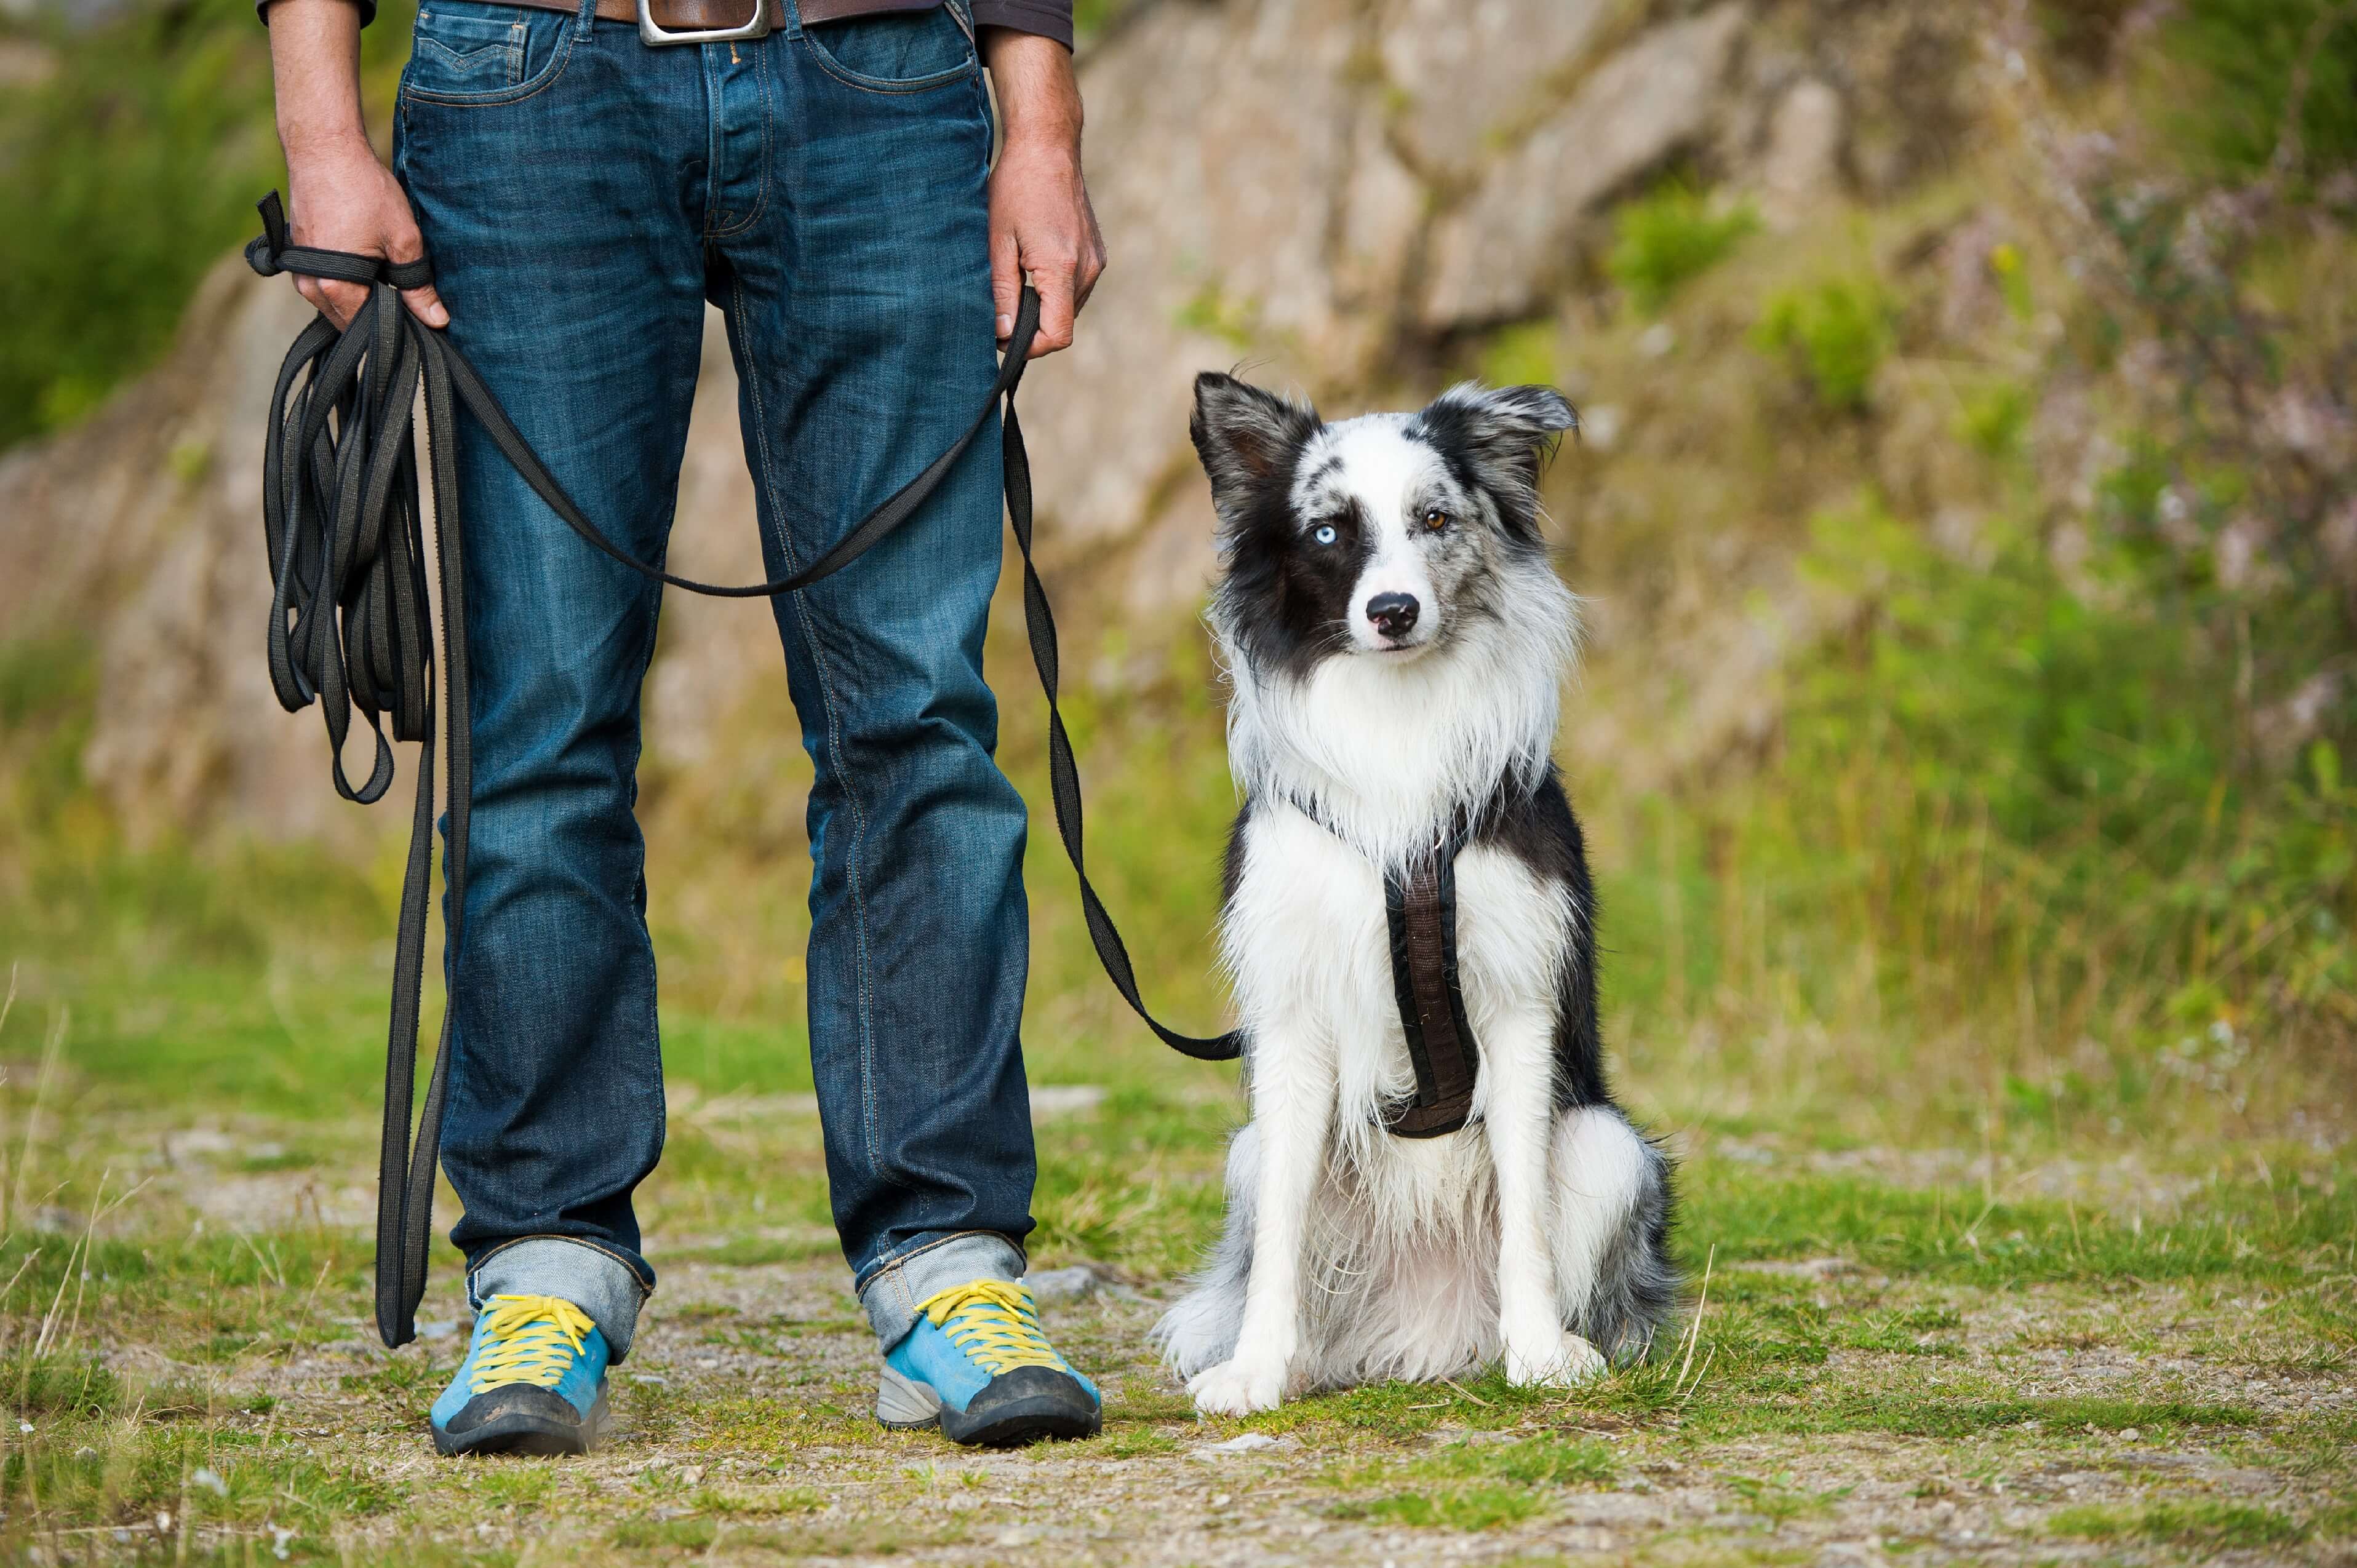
(534, 1383)
(977, 1366)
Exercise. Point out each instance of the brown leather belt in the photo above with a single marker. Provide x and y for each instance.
(707, 15)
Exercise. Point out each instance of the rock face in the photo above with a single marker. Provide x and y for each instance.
(1493, 258)
(1304, 187)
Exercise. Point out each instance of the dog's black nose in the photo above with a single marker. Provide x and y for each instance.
(1393, 614)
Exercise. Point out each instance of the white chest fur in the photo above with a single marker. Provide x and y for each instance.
(1307, 941)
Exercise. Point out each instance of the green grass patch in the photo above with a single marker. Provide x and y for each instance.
(2205, 1523)
(1454, 1508)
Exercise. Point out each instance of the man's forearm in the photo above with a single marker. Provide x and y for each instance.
(1041, 226)
(340, 198)
(314, 62)
(1039, 97)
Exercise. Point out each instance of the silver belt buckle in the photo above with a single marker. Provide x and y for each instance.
(651, 34)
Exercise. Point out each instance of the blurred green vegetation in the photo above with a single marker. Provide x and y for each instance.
(1671, 234)
(2265, 76)
(1834, 334)
(124, 176)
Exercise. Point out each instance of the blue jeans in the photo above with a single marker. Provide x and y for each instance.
(582, 196)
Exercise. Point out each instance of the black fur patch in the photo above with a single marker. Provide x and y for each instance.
(1251, 442)
(1496, 440)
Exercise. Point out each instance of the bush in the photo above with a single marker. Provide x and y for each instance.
(1835, 335)
(1664, 238)
(2245, 56)
(2055, 765)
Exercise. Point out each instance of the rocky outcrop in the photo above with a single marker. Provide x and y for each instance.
(1494, 257)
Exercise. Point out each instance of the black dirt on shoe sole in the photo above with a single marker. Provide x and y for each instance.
(519, 1423)
(1014, 1423)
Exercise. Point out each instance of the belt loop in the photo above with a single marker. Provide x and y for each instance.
(588, 20)
(790, 17)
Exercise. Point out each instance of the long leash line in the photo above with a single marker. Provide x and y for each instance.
(351, 627)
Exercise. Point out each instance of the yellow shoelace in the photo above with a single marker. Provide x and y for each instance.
(529, 1339)
(994, 1323)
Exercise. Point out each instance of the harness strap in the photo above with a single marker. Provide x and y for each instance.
(1421, 906)
(351, 627)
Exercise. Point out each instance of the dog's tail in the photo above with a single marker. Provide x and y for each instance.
(1626, 1287)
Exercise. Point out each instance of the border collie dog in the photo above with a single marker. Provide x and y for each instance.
(1395, 639)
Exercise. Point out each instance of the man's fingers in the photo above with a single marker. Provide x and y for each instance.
(426, 305)
(336, 301)
(1005, 282)
(404, 243)
(1092, 254)
(1056, 310)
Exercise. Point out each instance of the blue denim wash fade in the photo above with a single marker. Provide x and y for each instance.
(582, 196)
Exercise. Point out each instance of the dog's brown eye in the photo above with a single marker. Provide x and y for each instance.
(1436, 520)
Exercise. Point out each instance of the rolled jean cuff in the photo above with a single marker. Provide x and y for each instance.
(588, 1276)
(892, 1293)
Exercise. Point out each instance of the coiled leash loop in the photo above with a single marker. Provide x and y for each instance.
(351, 627)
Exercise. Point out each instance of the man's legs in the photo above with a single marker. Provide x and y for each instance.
(855, 282)
(549, 163)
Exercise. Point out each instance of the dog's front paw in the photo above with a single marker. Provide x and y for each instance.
(1560, 1364)
(1237, 1388)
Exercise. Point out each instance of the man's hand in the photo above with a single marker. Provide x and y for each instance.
(340, 198)
(1041, 225)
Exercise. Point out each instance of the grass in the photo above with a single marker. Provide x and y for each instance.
(225, 1379)
(2213, 1525)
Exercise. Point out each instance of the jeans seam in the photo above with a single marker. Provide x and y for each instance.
(761, 194)
(851, 857)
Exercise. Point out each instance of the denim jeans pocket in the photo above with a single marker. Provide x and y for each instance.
(897, 51)
(469, 51)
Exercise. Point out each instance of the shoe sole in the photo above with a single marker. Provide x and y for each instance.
(1010, 1425)
(523, 1432)
(1020, 1423)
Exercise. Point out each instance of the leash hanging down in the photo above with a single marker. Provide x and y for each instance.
(351, 627)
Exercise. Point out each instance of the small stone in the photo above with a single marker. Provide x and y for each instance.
(1246, 1442)
(211, 1481)
(1657, 340)
(1077, 1283)
(2129, 1435)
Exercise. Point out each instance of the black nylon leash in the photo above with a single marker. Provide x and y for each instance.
(351, 627)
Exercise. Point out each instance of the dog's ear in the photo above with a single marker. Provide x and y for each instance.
(1506, 432)
(1244, 435)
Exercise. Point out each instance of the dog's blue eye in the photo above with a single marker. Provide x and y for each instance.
(1325, 534)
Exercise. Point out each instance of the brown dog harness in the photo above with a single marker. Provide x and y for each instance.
(1420, 908)
(1421, 903)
